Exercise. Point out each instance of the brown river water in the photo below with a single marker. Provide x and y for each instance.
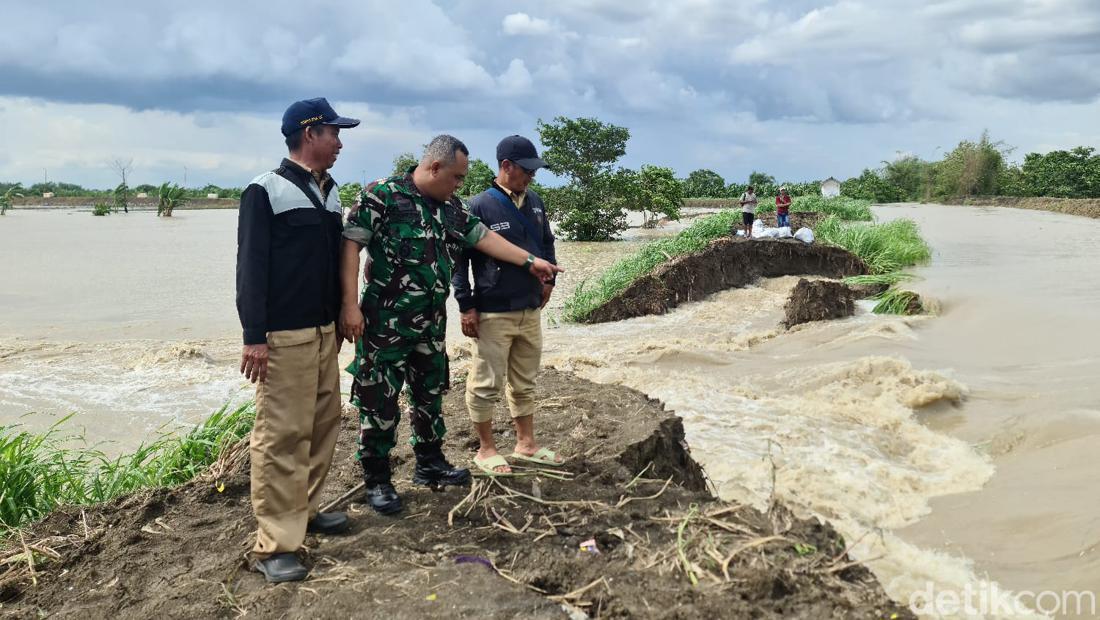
(956, 452)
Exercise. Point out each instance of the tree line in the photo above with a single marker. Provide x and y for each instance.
(981, 168)
(72, 190)
(597, 193)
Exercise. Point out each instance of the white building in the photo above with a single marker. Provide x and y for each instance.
(830, 188)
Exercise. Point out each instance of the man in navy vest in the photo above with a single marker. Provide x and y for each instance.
(501, 311)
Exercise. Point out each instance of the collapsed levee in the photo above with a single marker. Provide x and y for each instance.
(625, 529)
(725, 263)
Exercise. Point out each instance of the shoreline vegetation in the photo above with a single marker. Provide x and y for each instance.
(885, 248)
(42, 471)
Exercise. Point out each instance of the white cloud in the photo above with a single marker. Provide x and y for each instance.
(523, 24)
(74, 142)
(516, 80)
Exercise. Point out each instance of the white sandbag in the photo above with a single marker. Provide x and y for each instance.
(804, 235)
(757, 225)
(783, 232)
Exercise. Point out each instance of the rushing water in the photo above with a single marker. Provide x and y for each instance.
(953, 449)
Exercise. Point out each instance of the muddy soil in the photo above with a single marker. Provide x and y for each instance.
(725, 263)
(818, 300)
(501, 549)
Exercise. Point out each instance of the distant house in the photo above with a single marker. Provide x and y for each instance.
(211, 196)
(47, 194)
(141, 195)
(830, 188)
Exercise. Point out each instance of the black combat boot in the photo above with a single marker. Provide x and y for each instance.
(432, 468)
(380, 492)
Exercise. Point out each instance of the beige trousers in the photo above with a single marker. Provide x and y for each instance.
(506, 355)
(297, 423)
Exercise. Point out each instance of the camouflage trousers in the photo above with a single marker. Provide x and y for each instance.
(380, 374)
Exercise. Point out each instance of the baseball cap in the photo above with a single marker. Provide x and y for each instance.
(520, 151)
(315, 111)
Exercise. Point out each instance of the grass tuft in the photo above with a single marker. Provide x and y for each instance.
(39, 473)
(885, 248)
(888, 279)
(897, 301)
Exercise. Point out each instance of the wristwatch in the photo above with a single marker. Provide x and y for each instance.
(530, 261)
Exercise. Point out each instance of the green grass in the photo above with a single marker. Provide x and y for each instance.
(38, 472)
(101, 209)
(888, 279)
(885, 248)
(895, 301)
(587, 297)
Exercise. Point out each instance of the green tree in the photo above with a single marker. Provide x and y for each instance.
(584, 151)
(122, 197)
(909, 174)
(1063, 174)
(478, 179)
(870, 185)
(971, 169)
(402, 162)
(704, 183)
(170, 196)
(349, 194)
(655, 191)
(5, 198)
(763, 184)
(759, 179)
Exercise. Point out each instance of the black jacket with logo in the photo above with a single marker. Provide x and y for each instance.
(503, 287)
(288, 253)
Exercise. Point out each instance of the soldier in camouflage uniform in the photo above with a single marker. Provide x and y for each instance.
(411, 226)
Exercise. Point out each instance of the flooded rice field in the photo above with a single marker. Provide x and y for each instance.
(955, 450)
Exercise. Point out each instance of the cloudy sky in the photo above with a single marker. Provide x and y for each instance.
(798, 88)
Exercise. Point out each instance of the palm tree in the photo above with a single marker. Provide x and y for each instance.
(171, 196)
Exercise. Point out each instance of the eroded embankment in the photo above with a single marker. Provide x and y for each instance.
(725, 263)
(508, 549)
(1085, 207)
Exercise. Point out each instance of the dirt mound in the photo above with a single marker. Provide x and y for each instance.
(725, 263)
(509, 548)
(818, 300)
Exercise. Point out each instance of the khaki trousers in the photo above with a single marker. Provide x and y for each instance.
(506, 354)
(297, 423)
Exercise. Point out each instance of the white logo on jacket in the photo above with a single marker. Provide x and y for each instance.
(499, 226)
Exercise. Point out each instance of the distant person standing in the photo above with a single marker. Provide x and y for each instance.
(748, 210)
(502, 310)
(288, 298)
(783, 208)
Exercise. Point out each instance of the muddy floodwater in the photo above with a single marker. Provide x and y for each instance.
(954, 451)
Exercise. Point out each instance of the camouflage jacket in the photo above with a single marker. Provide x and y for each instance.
(411, 241)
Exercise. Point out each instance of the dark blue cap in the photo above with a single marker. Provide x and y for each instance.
(317, 111)
(520, 151)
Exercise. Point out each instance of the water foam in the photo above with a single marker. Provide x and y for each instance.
(836, 439)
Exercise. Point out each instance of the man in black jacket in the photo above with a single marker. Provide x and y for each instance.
(288, 299)
(501, 311)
